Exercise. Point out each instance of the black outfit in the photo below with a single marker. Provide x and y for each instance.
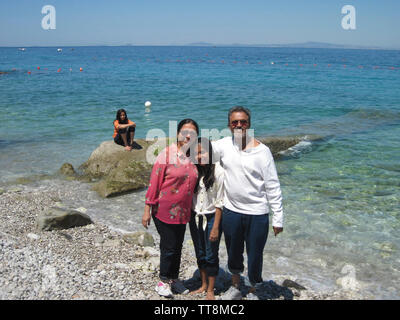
(171, 243)
(118, 139)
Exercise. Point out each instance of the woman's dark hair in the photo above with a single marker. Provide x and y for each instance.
(185, 121)
(206, 171)
(180, 125)
(118, 117)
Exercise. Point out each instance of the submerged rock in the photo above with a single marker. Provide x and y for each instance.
(278, 144)
(289, 145)
(349, 281)
(15, 189)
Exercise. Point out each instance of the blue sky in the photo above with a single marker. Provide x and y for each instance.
(176, 22)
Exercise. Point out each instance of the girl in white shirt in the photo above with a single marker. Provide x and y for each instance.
(205, 224)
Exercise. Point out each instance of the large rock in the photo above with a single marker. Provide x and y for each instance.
(128, 176)
(60, 218)
(118, 171)
(110, 155)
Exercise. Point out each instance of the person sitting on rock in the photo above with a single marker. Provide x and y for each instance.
(124, 130)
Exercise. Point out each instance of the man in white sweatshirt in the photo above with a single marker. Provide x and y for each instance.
(251, 187)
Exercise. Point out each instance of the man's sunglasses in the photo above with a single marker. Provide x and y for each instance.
(236, 122)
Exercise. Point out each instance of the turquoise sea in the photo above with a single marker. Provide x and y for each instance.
(341, 192)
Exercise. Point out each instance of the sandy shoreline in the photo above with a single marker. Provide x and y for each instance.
(94, 262)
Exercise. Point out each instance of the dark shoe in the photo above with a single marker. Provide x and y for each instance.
(136, 146)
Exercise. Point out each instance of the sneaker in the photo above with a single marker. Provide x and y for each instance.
(163, 289)
(178, 287)
(251, 296)
(232, 294)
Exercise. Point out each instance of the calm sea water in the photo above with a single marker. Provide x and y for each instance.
(341, 193)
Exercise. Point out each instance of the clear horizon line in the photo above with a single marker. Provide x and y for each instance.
(308, 45)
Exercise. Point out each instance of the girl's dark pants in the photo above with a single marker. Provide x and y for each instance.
(206, 250)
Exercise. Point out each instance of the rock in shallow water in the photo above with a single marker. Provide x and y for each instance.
(67, 170)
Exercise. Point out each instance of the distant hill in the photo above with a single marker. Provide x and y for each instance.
(312, 44)
(201, 44)
(309, 44)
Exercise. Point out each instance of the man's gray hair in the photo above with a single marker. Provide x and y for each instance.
(238, 109)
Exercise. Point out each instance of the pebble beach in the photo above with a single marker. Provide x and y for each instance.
(95, 262)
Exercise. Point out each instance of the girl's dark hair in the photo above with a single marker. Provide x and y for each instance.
(206, 171)
(118, 117)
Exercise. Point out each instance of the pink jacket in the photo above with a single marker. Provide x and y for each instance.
(171, 186)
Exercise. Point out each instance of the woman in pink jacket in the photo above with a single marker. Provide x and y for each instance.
(169, 201)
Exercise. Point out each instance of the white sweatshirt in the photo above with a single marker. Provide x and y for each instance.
(251, 181)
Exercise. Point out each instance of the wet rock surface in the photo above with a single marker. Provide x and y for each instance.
(117, 171)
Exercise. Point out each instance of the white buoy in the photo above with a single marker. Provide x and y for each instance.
(147, 104)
